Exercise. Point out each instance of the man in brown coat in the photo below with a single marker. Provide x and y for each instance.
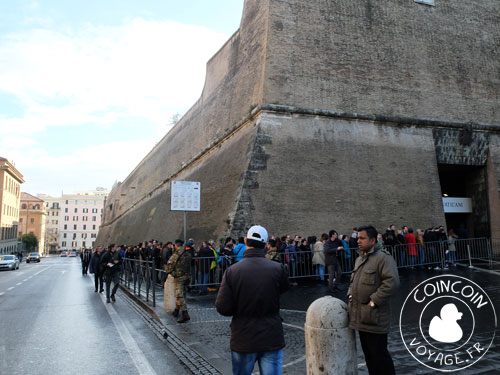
(373, 281)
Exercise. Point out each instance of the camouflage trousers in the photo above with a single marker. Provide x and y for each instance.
(180, 290)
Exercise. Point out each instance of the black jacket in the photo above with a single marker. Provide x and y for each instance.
(95, 263)
(331, 251)
(204, 259)
(250, 293)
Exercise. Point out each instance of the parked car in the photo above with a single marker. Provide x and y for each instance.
(72, 254)
(64, 254)
(9, 262)
(33, 257)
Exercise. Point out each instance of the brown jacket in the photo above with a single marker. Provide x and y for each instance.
(374, 278)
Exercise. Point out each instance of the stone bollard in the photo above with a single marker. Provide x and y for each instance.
(330, 343)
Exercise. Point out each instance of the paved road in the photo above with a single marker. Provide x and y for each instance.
(51, 321)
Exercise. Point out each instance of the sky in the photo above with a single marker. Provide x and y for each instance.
(87, 88)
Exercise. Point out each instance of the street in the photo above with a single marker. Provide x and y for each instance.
(53, 322)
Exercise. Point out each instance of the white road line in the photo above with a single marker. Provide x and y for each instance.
(138, 357)
(25, 280)
(18, 283)
(39, 272)
(10, 288)
(2, 293)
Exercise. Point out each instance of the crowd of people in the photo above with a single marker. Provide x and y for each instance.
(325, 258)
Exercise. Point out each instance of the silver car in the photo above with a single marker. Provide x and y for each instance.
(9, 262)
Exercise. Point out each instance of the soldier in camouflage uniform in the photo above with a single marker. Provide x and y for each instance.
(179, 266)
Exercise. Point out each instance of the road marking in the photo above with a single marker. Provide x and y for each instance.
(39, 272)
(10, 288)
(25, 280)
(2, 293)
(18, 283)
(136, 354)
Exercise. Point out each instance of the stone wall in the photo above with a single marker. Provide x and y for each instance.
(364, 83)
(391, 57)
(322, 173)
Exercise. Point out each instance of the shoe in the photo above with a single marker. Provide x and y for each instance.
(113, 298)
(437, 268)
(102, 290)
(95, 291)
(108, 300)
(175, 313)
(185, 317)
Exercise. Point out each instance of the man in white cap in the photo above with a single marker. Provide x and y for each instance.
(250, 293)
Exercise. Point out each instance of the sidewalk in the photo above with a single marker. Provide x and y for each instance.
(208, 332)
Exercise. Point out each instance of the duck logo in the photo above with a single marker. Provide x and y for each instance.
(447, 309)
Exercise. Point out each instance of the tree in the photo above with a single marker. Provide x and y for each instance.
(30, 241)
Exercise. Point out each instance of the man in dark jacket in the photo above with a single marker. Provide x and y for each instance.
(374, 281)
(95, 267)
(112, 261)
(332, 246)
(250, 293)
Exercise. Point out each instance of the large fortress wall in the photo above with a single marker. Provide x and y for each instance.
(390, 57)
(307, 168)
(324, 173)
(234, 84)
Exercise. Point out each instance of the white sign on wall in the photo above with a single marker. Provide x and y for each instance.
(457, 205)
(185, 196)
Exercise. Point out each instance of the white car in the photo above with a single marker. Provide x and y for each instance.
(9, 262)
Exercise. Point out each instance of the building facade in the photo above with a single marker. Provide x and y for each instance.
(53, 210)
(32, 218)
(80, 219)
(10, 195)
(332, 114)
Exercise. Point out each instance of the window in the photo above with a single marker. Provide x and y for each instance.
(65, 235)
(20, 219)
(66, 202)
(84, 235)
(93, 235)
(63, 244)
(32, 221)
(84, 227)
(76, 202)
(66, 210)
(37, 207)
(93, 227)
(94, 218)
(86, 211)
(74, 243)
(76, 210)
(83, 243)
(94, 210)
(23, 206)
(75, 218)
(74, 227)
(65, 226)
(66, 218)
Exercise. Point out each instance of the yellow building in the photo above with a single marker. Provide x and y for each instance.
(10, 193)
(32, 219)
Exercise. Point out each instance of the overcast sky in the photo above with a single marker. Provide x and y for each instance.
(88, 87)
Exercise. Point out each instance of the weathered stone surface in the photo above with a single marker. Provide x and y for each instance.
(330, 344)
(356, 89)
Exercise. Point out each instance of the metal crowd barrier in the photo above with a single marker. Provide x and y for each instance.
(144, 278)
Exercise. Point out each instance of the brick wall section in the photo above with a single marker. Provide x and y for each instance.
(392, 57)
(233, 86)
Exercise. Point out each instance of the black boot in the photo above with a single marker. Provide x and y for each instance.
(185, 317)
(175, 313)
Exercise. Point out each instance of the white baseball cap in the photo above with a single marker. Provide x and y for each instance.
(257, 233)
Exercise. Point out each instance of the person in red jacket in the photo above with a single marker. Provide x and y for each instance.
(411, 247)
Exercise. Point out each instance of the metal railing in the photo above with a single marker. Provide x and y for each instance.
(144, 278)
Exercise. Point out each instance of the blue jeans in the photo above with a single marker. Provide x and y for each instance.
(270, 363)
(203, 281)
(320, 271)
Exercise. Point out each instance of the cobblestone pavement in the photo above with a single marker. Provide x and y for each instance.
(208, 332)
